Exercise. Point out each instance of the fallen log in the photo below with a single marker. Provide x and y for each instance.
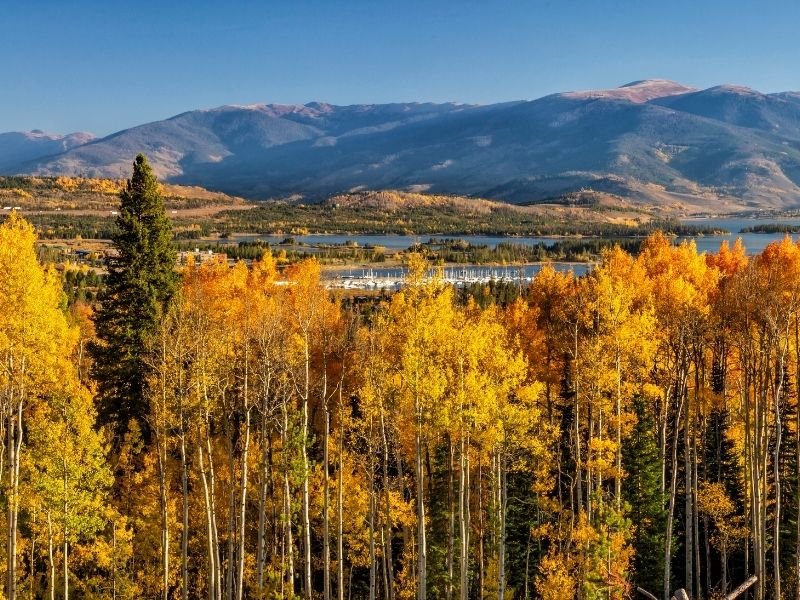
(741, 589)
(682, 595)
(645, 593)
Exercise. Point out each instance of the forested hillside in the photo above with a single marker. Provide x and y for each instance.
(234, 431)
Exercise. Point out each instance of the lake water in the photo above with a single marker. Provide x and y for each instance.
(754, 242)
(393, 242)
(376, 277)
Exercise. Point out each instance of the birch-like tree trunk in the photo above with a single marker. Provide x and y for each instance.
(422, 549)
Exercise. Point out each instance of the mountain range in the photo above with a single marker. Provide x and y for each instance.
(655, 141)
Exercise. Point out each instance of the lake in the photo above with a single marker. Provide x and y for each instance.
(375, 277)
(754, 242)
(391, 242)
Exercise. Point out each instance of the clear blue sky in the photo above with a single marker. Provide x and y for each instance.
(105, 65)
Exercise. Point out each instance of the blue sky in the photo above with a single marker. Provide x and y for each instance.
(103, 66)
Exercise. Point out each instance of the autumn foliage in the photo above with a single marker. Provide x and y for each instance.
(637, 426)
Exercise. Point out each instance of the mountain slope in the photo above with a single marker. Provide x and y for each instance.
(18, 147)
(636, 91)
(741, 106)
(653, 141)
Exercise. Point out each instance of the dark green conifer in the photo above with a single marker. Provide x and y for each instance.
(141, 280)
(642, 491)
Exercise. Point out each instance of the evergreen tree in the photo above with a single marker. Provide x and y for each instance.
(724, 521)
(641, 490)
(141, 280)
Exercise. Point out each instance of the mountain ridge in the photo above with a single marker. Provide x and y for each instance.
(656, 141)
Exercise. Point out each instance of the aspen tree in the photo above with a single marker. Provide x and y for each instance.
(35, 349)
(305, 300)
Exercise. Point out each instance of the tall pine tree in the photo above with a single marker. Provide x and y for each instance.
(641, 490)
(141, 280)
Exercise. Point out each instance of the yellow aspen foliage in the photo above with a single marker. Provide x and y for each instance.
(35, 339)
(635, 425)
(61, 467)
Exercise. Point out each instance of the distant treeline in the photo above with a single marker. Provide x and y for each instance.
(460, 251)
(437, 251)
(272, 218)
(787, 228)
(278, 218)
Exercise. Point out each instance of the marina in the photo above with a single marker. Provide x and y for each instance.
(458, 276)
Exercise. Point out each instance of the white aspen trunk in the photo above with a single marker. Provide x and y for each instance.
(32, 556)
(213, 485)
(306, 472)
(452, 514)
(11, 554)
(526, 592)
(163, 505)
(618, 475)
(262, 512)
(388, 513)
(672, 495)
(501, 508)
(383, 562)
(776, 533)
(66, 529)
(578, 449)
(185, 515)
(481, 531)
(113, 562)
(462, 518)
(209, 483)
(465, 524)
(66, 567)
(51, 557)
(212, 563)
(159, 429)
(754, 401)
(372, 558)
(590, 426)
(762, 452)
(15, 446)
(422, 551)
(688, 504)
(326, 537)
(245, 473)
(339, 502)
(230, 559)
(696, 513)
(797, 453)
(724, 567)
(750, 468)
(265, 485)
(243, 500)
(287, 505)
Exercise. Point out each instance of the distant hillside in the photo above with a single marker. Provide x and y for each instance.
(653, 141)
(82, 195)
(612, 209)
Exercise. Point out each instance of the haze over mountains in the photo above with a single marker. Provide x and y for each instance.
(656, 141)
